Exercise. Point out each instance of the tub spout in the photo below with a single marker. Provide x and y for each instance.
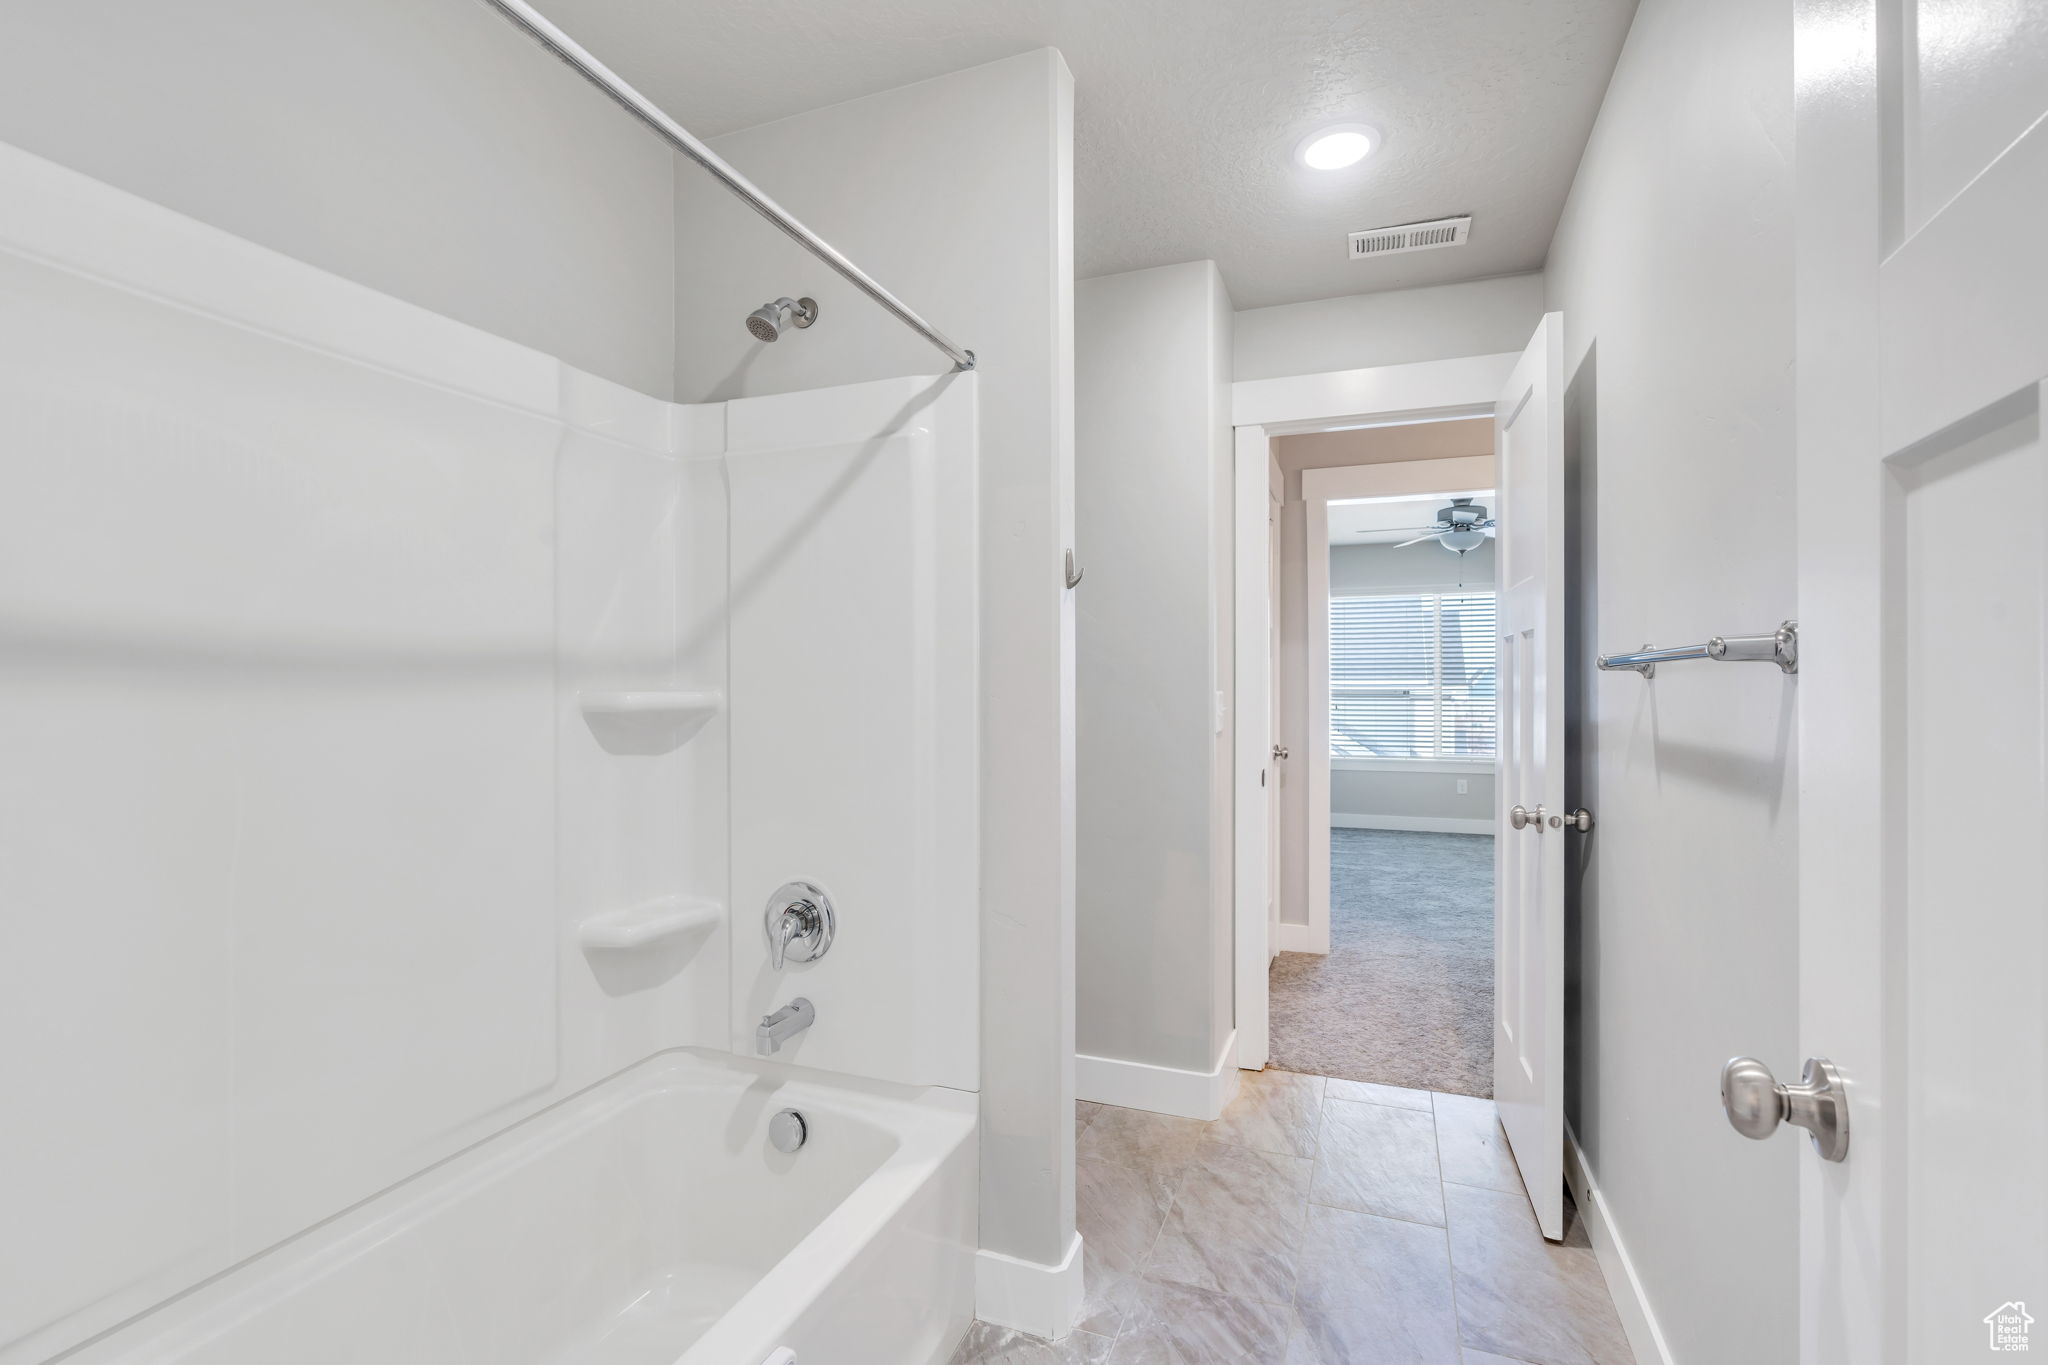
(783, 1025)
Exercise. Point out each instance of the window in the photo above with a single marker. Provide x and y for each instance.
(1412, 676)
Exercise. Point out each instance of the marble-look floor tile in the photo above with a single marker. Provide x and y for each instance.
(1366, 1092)
(1084, 1114)
(1522, 1297)
(1118, 1212)
(1374, 1289)
(1473, 1357)
(1172, 1325)
(1275, 1111)
(1161, 1145)
(1378, 1159)
(1107, 1293)
(986, 1344)
(1235, 1224)
(1471, 1145)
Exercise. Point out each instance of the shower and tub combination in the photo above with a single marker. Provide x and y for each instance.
(491, 854)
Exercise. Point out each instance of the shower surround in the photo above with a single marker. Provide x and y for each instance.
(406, 731)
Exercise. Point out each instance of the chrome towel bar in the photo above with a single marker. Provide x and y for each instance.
(1780, 647)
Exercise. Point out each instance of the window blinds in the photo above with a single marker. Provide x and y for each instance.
(1412, 676)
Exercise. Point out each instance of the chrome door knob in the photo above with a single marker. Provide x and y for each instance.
(1279, 751)
(1580, 820)
(1519, 818)
(1756, 1103)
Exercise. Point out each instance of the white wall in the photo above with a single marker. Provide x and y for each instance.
(1396, 327)
(1428, 567)
(1152, 904)
(956, 194)
(421, 147)
(1391, 798)
(1673, 267)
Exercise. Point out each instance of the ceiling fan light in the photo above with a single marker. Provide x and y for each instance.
(1458, 542)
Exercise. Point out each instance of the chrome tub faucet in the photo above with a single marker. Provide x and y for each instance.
(786, 1023)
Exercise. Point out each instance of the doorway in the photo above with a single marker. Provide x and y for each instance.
(1519, 395)
(1385, 973)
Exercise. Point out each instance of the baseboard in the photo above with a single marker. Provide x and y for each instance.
(1633, 1306)
(1422, 824)
(1161, 1089)
(1040, 1299)
(1299, 938)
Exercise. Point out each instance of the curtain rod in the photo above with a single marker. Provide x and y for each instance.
(640, 107)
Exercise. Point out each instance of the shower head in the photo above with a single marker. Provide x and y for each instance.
(767, 321)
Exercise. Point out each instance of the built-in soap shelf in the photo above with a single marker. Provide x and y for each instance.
(648, 924)
(647, 722)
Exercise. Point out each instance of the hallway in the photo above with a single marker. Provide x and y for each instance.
(1405, 996)
(1318, 1222)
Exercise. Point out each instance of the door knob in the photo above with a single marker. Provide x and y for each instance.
(1580, 820)
(1522, 818)
(1757, 1103)
(1279, 751)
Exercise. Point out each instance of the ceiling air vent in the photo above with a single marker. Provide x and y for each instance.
(1391, 241)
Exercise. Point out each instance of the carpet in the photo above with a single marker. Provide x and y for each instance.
(1405, 996)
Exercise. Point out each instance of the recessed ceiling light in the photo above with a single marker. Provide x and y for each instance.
(1338, 146)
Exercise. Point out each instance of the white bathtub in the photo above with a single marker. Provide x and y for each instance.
(647, 1221)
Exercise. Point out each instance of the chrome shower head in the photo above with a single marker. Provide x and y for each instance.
(767, 321)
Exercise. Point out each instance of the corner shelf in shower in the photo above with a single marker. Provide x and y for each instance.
(649, 923)
(650, 722)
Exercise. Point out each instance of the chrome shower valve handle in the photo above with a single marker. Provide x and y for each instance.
(799, 923)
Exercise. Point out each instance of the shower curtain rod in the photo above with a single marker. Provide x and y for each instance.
(639, 106)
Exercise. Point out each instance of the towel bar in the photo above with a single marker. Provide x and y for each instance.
(1780, 647)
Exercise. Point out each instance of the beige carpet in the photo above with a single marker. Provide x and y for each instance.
(1406, 995)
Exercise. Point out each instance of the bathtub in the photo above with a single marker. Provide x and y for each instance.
(647, 1221)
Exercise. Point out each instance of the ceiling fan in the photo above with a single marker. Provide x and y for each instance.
(1461, 527)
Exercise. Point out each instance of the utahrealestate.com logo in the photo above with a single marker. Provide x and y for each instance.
(2008, 1324)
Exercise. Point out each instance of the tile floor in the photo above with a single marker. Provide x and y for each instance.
(1318, 1222)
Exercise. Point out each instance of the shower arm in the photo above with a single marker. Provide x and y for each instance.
(640, 107)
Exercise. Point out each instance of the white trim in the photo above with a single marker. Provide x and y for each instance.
(1300, 938)
(1420, 392)
(1043, 1300)
(1160, 1089)
(1624, 1286)
(1251, 742)
(1424, 824)
(1461, 766)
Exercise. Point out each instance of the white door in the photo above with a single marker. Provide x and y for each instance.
(1922, 173)
(1528, 913)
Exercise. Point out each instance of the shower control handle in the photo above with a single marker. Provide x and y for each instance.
(799, 923)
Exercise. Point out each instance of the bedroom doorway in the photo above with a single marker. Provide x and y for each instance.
(1388, 977)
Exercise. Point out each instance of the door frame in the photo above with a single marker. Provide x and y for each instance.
(1383, 395)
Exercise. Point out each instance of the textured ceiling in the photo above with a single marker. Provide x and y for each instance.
(1187, 112)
